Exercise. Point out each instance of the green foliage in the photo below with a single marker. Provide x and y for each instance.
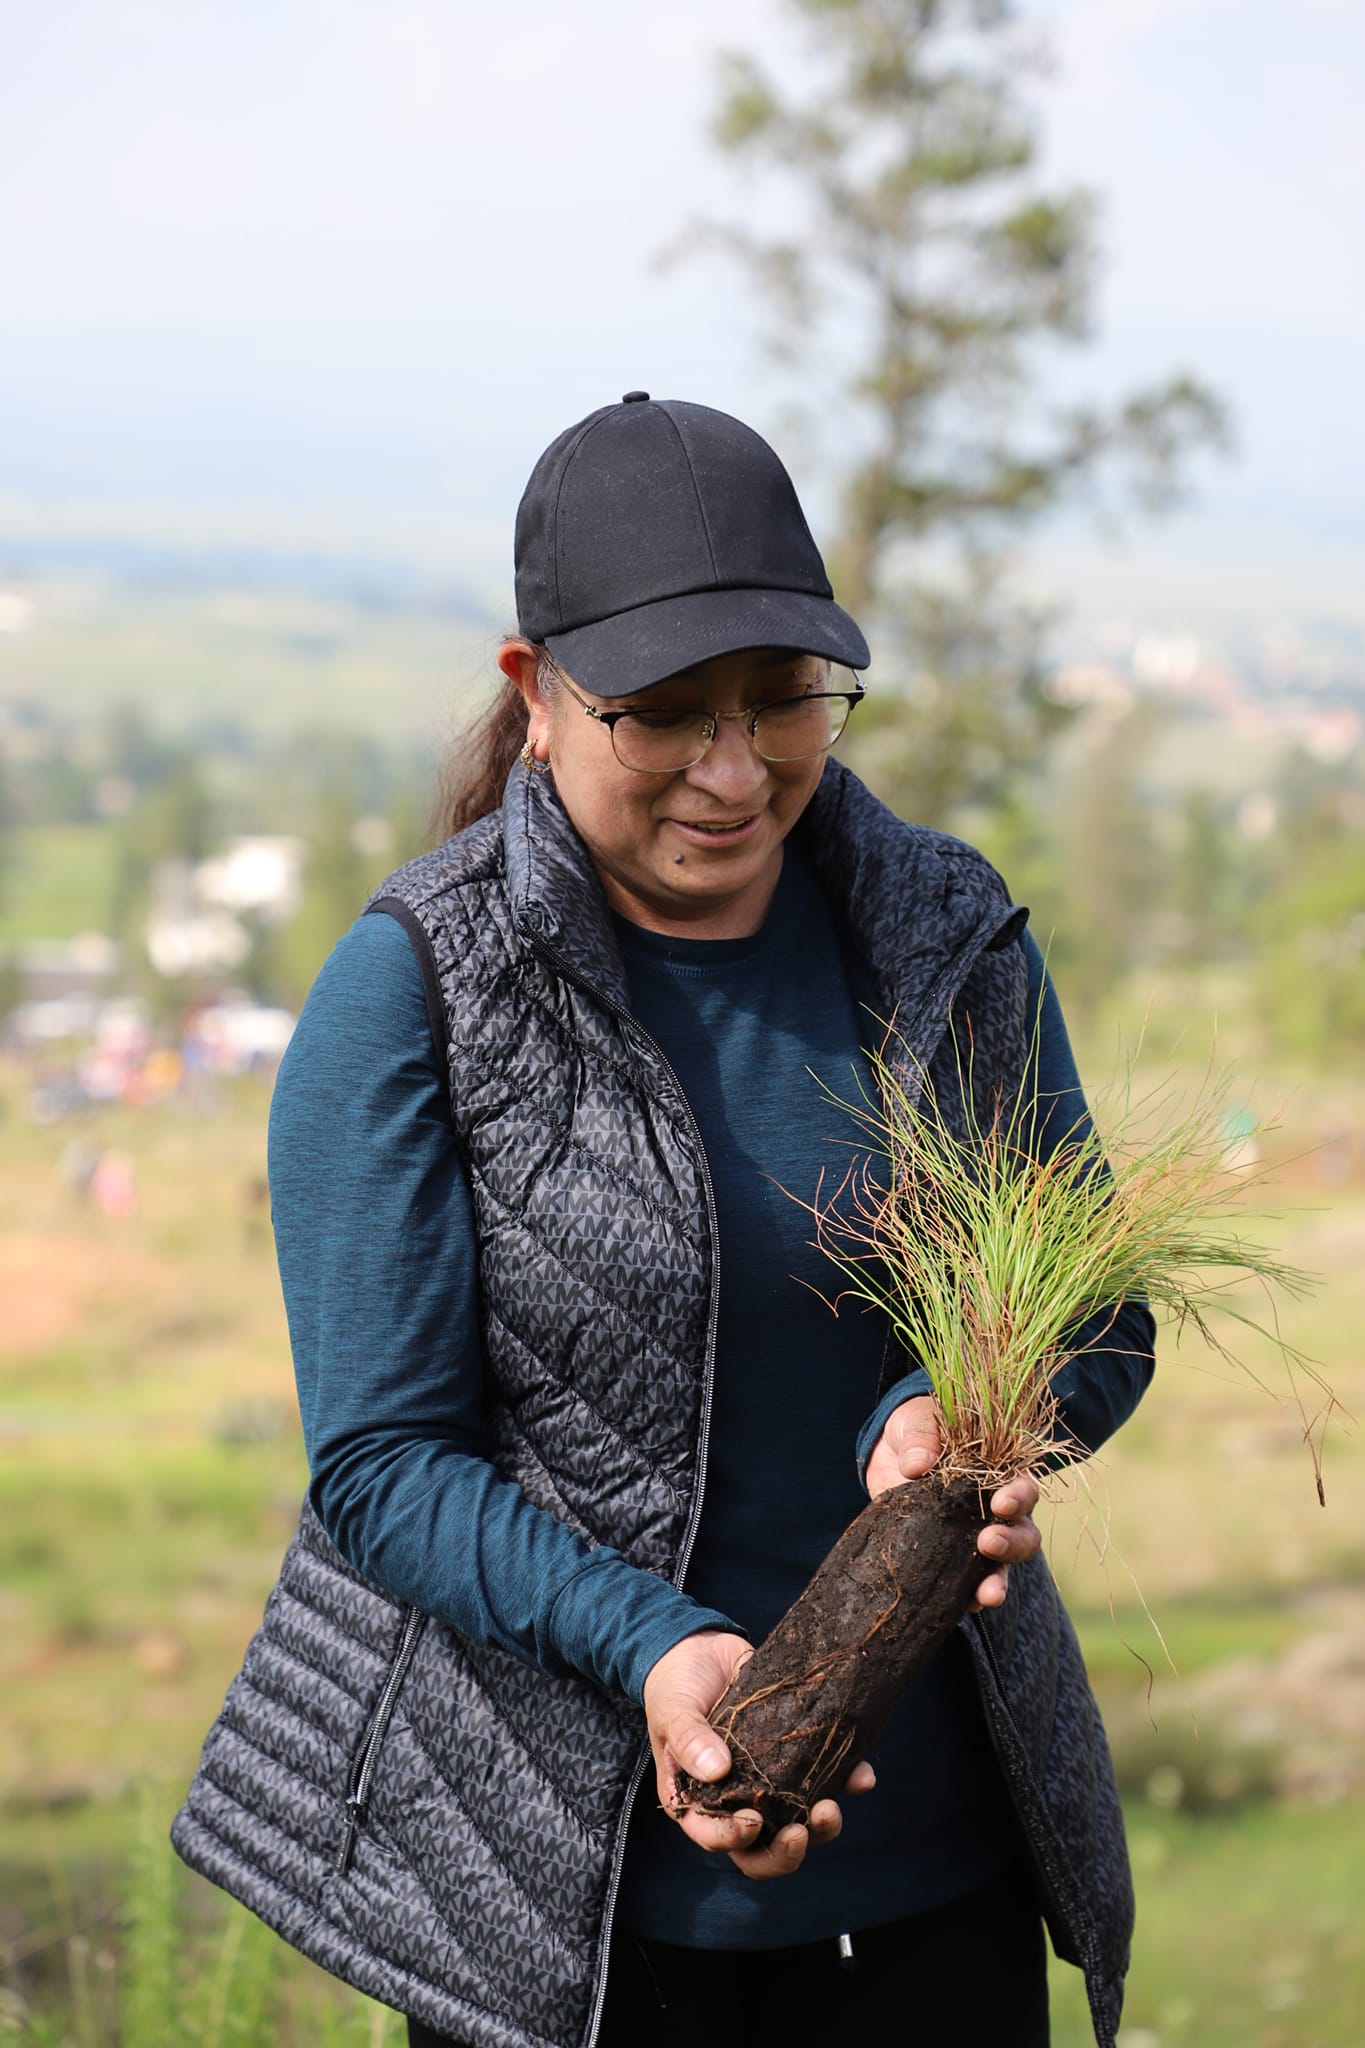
(357, 804)
(1182, 1765)
(985, 1257)
(172, 820)
(133, 750)
(1311, 961)
(57, 882)
(1213, 877)
(170, 1977)
(148, 1993)
(1109, 858)
(1248, 1934)
(238, 1994)
(1309, 928)
(942, 270)
(971, 712)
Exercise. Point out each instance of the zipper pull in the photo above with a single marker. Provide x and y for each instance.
(355, 1814)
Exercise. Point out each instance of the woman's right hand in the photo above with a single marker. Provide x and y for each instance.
(679, 1693)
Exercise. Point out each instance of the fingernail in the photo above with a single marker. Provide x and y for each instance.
(996, 1543)
(710, 1759)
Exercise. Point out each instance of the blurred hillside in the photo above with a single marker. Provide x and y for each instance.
(1189, 828)
(254, 636)
(205, 766)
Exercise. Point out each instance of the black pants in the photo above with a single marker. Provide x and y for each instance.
(964, 1975)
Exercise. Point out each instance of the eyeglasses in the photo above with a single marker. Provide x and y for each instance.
(665, 742)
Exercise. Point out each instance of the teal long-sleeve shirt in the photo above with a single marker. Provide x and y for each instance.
(376, 1244)
(374, 1231)
(377, 1250)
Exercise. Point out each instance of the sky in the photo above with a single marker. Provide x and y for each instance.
(350, 264)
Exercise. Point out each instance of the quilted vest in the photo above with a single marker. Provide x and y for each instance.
(426, 1816)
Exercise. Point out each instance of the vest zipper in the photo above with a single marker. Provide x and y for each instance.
(632, 1024)
(367, 1756)
(562, 966)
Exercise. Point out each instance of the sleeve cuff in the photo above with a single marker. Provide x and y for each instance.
(916, 1382)
(613, 1622)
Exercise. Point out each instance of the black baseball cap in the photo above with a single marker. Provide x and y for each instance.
(655, 534)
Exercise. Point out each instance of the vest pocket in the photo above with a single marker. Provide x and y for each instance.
(363, 1764)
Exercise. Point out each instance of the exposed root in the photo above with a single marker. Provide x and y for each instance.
(816, 1694)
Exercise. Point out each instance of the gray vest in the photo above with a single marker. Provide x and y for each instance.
(428, 1817)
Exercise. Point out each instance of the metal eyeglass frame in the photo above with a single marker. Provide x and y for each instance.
(611, 719)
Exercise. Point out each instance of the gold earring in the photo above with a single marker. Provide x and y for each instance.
(531, 763)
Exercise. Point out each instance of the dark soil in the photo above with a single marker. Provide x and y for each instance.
(814, 1697)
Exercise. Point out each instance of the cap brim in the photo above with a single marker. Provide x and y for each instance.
(635, 649)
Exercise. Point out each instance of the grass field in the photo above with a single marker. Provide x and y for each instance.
(58, 885)
(269, 660)
(150, 1471)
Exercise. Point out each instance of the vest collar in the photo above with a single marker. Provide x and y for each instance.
(557, 901)
(921, 907)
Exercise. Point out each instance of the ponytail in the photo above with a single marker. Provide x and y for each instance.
(474, 773)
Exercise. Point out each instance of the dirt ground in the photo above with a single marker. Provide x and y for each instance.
(52, 1286)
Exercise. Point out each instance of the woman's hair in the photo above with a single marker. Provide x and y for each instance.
(471, 779)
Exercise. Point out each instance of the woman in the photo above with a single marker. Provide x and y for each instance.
(576, 1435)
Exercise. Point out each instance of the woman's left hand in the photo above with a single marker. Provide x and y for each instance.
(910, 1445)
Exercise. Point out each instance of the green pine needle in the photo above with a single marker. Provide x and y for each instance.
(987, 1260)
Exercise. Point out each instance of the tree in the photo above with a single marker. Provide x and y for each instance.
(173, 820)
(1308, 925)
(927, 253)
(8, 821)
(1111, 864)
(1213, 881)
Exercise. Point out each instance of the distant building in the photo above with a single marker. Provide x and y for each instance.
(256, 872)
(194, 928)
(64, 984)
(83, 966)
